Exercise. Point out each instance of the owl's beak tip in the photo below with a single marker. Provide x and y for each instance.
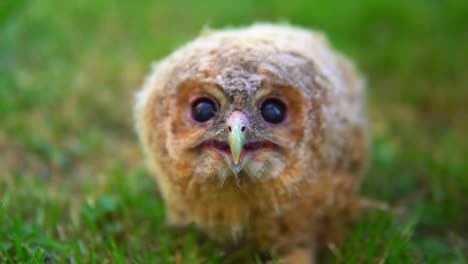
(236, 168)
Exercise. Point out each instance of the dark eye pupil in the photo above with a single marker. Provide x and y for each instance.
(203, 109)
(273, 111)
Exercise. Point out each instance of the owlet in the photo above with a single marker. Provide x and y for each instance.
(257, 135)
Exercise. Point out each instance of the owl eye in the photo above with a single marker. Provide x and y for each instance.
(273, 110)
(203, 109)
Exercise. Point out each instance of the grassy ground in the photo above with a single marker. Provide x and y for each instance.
(72, 185)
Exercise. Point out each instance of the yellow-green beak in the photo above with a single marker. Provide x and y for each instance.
(238, 126)
(236, 140)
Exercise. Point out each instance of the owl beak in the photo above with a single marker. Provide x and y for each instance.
(237, 125)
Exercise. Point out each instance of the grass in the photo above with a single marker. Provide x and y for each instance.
(72, 185)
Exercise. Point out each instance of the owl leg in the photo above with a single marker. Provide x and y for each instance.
(300, 255)
(176, 215)
(175, 218)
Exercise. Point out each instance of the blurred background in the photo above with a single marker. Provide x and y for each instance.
(73, 186)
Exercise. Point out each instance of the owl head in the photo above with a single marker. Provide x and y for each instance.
(250, 104)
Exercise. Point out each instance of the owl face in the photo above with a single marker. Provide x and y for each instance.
(240, 122)
(241, 130)
(232, 109)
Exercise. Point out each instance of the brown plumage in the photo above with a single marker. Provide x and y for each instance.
(257, 135)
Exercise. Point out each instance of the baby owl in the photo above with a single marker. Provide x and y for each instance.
(257, 136)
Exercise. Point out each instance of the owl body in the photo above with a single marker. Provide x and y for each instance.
(256, 135)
